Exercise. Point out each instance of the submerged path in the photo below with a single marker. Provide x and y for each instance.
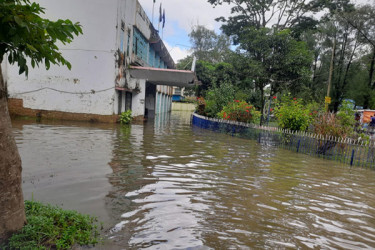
(168, 185)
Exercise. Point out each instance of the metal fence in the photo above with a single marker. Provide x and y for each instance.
(344, 150)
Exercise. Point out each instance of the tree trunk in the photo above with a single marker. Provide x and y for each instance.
(367, 96)
(371, 70)
(12, 215)
(349, 64)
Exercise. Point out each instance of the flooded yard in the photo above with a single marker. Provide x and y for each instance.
(168, 185)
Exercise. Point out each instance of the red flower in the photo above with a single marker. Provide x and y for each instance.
(310, 114)
(237, 101)
(271, 110)
(247, 111)
(274, 97)
(294, 99)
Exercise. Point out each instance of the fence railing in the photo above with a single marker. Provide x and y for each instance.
(344, 150)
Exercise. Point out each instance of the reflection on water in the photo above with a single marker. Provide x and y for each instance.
(168, 185)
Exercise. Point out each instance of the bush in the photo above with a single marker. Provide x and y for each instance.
(346, 115)
(340, 125)
(239, 111)
(292, 114)
(328, 124)
(51, 227)
(218, 97)
(126, 117)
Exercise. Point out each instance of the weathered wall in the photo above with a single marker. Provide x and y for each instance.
(138, 104)
(89, 86)
(180, 106)
(16, 108)
(99, 61)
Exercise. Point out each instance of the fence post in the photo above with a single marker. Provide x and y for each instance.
(298, 145)
(351, 160)
(259, 136)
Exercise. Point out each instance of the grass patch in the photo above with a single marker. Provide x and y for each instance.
(50, 227)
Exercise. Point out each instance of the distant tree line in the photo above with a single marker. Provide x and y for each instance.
(271, 47)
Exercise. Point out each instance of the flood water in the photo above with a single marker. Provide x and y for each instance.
(172, 186)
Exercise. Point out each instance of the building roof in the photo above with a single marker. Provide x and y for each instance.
(169, 77)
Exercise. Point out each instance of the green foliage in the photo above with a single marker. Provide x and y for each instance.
(291, 113)
(24, 34)
(276, 58)
(239, 111)
(51, 227)
(214, 75)
(328, 124)
(346, 114)
(209, 46)
(339, 125)
(126, 117)
(218, 97)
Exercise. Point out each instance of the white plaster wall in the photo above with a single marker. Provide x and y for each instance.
(91, 56)
(138, 101)
(97, 17)
(129, 11)
(126, 12)
(142, 22)
(87, 88)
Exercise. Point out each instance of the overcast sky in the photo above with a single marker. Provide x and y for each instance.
(182, 15)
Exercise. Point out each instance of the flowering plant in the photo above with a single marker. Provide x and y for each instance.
(292, 114)
(239, 111)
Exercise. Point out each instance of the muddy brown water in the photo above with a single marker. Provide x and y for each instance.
(167, 185)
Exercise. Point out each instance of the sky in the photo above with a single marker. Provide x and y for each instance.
(182, 15)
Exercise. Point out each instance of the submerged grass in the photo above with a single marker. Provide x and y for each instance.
(50, 227)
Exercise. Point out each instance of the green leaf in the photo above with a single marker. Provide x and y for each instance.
(19, 21)
(47, 63)
(25, 34)
(31, 47)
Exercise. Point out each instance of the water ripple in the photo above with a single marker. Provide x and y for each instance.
(175, 187)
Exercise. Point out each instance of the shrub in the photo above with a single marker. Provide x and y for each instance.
(340, 125)
(346, 115)
(218, 97)
(51, 227)
(328, 124)
(126, 117)
(292, 114)
(239, 111)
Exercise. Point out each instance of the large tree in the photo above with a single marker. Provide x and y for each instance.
(24, 34)
(276, 59)
(346, 35)
(362, 20)
(279, 14)
(209, 46)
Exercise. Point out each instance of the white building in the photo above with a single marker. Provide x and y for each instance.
(119, 63)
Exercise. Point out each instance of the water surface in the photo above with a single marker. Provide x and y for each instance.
(166, 185)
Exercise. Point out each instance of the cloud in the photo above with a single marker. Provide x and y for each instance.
(176, 52)
(188, 13)
(181, 16)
